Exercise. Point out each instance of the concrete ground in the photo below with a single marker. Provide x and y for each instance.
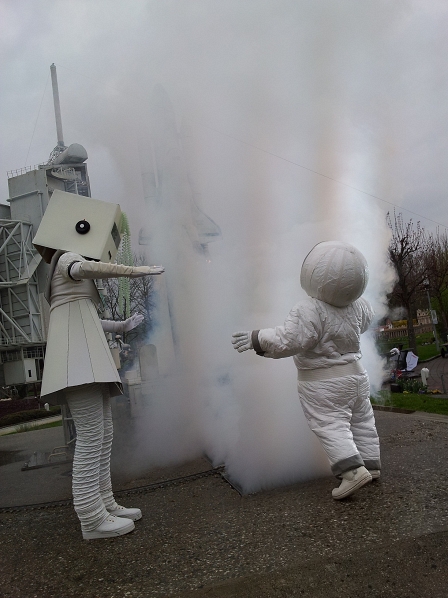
(200, 538)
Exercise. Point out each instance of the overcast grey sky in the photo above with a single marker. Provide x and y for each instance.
(354, 90)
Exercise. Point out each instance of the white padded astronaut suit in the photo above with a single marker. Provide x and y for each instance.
(322, 334)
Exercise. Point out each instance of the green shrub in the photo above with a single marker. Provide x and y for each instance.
(400, 323)
(25, 416)
(412, 385)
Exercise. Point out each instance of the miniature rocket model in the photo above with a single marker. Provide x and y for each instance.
(176, 227)
(79, 237)
(168, 187)
(322, 334)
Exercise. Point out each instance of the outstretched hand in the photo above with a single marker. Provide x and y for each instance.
(132, 322)
(242, 341)
(156, 270)
(139, 271)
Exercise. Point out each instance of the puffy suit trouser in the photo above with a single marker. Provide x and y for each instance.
(91, 483)
(339, 412)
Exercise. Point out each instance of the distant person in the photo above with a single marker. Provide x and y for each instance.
(322, 334)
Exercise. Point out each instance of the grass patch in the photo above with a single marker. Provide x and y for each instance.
(427, 351)
(425, 347)
(414, 402)
(28, 426)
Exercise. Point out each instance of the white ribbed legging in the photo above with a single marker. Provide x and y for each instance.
(91, 484)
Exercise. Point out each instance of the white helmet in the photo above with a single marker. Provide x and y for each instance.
(334, 272)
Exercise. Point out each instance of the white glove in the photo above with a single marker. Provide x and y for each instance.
(242, 341)
(132, 322)
(123, 325)
(93, 270)
(139, 271)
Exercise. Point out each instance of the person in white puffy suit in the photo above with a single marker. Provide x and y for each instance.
(79, 368)
(322, 334)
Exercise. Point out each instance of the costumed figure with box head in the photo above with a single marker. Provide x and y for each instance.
(322, 334)
(79, 238)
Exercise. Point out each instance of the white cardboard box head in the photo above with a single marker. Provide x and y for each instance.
(80, 224)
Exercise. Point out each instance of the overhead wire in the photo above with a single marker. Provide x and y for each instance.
(323, 175)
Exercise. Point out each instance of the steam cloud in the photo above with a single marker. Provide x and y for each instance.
(258, 89)
(242, 410)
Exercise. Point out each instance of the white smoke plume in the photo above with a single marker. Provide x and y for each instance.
(242, 410)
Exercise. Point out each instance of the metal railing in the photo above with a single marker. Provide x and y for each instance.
(19, 340)
(18, 171)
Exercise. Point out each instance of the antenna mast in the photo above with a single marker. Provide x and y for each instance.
(57, 105)
(60, 147)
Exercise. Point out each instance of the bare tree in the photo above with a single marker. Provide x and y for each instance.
(406, 252)
(436, 267)
(140, 298)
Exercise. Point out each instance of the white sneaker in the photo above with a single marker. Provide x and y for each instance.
(134, 514)
(351, 481)
(375, 473)
(110, 528)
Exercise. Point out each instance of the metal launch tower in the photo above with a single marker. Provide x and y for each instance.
(24, 313)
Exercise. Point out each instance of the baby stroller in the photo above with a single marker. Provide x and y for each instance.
(402, 362)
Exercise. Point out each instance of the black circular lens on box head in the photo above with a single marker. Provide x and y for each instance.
(82, 227)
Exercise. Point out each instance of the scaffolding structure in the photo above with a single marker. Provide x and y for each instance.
(20, 310)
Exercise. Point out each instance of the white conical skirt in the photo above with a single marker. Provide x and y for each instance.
(77, 351)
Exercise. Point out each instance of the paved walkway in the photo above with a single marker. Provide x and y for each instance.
(199, 538)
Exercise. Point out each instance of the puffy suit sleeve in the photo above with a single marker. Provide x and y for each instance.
(112, 326)
(73, 266)
(65, 263)
(300, 332)
(367, 313)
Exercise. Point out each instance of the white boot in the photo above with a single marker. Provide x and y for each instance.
(134, 514)
(351, 481)
(110, 528)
